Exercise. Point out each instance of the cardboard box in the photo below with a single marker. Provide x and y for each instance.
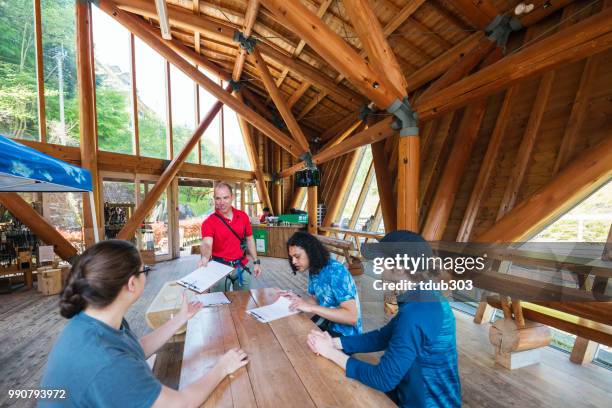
(50, 281)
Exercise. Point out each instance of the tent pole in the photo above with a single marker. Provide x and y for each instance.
(94, 216)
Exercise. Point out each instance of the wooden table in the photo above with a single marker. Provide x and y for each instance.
(282, 372)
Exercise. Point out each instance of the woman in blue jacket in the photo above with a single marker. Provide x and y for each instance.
(419, 365)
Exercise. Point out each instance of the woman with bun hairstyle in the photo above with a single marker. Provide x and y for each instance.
(97, 359)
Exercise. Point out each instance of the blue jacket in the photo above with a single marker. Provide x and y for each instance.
(419, 366)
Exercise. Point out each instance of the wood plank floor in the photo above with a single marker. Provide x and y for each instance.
(29, 324)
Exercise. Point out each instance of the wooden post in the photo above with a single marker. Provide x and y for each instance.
(408, 184)
(38, 225)
(168, 174)
(583, 175)
(312, 210)
(40, 73)
(87, 114)
(277, 187)
(298, 197)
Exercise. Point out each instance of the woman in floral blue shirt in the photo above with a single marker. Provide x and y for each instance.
(333, 293)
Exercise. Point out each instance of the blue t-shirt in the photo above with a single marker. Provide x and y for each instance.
(332, 286)
(99, 366)
(419, 367)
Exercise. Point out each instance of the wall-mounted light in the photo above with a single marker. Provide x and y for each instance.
(523, 8)
(164, 23)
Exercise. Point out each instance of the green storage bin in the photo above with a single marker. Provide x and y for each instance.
(261, 240)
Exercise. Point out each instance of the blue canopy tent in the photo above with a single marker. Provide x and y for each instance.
(23, 169)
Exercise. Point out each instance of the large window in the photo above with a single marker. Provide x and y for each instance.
(211, 146)
(355, 188)
(59, 60)
(151, 91)
(235, 152)
(113, 83)
(183, 111)
(18, 94)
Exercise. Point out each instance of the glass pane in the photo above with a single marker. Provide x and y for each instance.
(119, 204)
(356, 188)
(113, 84)
(195, 204)
(65, 212)
(183, 111)
(59, 58)
(211, 152)
(154, 234)
(151, 91)
(235, 152)
(366, 217)
(18, 93)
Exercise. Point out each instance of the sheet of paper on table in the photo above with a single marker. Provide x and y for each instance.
(275, 311)
(213, 299)
(203, 278)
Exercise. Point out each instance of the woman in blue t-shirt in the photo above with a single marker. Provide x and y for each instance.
(97, 360)
(333, 294)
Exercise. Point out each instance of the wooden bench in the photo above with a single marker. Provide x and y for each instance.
(345, 249)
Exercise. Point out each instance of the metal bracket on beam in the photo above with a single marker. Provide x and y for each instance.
(306, 157)
(405, 117)
(246, 43)
(236, 85)
(364, 112)
(500, 28)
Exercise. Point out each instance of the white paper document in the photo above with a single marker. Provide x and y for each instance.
(276, 310)
(203, 278)
(213, 299)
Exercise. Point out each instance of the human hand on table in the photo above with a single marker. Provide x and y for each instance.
(233, 360)
(298, 303)
(188, 309)
(321, 343)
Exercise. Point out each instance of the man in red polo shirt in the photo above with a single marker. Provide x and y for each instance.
(222, 233)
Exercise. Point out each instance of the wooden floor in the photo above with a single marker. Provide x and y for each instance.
(29, 324)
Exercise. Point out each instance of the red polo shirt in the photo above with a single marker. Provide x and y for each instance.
(225, 244)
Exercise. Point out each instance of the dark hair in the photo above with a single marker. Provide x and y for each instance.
(97, 276)
(266, 209)
(318, 255)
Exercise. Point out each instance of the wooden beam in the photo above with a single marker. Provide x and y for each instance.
(587, 172)
(162, 17)
(38, 225)
(298, 197)
(380, 55)
(87, 115)
(327, 43)
(373, 134)
(312, 210)
(523, 155)
(279, 101)
(400, 17)
(168, 175)
(295, 96)
(247, 27)
(445, 61)
(355, 127)
(462, 67)
(181, 18)
(383, 182)
(139, 28)
(339, 127)
(479, 14)
(334, 205)
(448, 186)
(578, 114)
(277, 192)
(486, 169)
(588, 37)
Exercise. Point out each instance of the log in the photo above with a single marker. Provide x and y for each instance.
(507, 337)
